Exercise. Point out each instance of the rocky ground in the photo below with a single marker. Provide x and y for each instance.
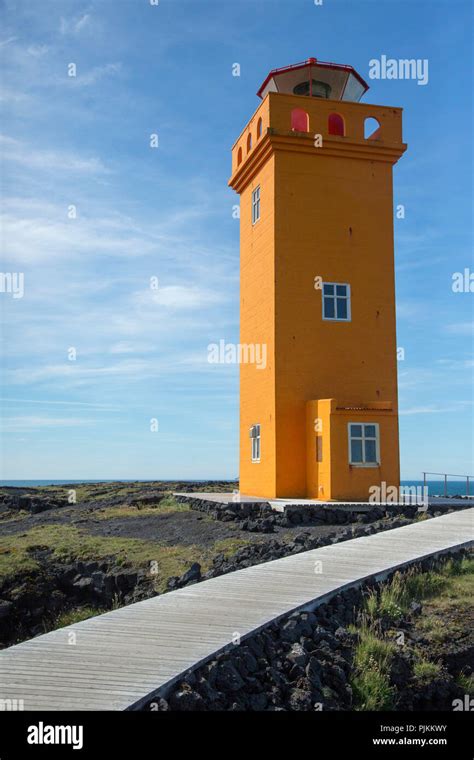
(69, 552)
(73, 551)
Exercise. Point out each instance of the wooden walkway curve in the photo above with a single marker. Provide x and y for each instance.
(118, 660)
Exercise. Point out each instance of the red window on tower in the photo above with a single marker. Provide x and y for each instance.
(299, 120)
(336, 124)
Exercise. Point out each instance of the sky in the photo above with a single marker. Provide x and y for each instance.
(106, 376)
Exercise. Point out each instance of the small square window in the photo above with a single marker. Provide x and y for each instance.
(336, 301)
(364, 444)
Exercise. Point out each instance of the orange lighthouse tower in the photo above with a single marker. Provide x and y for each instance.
(318, 417)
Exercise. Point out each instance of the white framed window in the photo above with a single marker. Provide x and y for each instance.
(255, 439)
(337, 301)
(364, 444)
(256, 204)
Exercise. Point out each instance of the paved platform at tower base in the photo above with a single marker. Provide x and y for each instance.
(280, 505)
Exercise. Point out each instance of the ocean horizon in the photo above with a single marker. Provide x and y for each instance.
(435, 487)
(54, 482)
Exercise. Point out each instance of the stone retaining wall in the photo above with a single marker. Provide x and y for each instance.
(260, 517)
(304, 662)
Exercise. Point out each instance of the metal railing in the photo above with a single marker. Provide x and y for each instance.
(445, 476)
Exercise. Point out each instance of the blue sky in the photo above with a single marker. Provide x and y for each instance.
(167, 213)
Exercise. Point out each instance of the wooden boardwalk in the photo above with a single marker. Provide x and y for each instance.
(117, 660)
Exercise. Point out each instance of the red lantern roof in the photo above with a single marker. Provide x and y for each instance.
(317, 79)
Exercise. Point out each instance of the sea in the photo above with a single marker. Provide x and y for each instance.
(435, 487)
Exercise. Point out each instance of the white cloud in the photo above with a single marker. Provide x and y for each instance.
(96, 74)
(8, 41)
(82, 22)
(8, 95)
(37, 51)
(456, 407)
(53, 402)
(407, 310)
(415, 377)
(35, 231)
(24, 424)
(77, 374)
(179, 297)
(124, 347)
(33, 157)
(456, 363)
(74, 25)
(460, 328)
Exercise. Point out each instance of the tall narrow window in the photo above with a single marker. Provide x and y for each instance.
(256, 205)
(364, 447)
(319, 448)
(255, 439)
(337, 301)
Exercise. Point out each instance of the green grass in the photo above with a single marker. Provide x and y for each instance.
(68, 543)
(422, 516)
(168, 505)
(94, 492)
(13, 515)
(445, 615)
(394, 598)
(426, 670)
(70, 617)
(98, 493)
(372, 690)
(77, 614)
(371, 605)
(466, 682)
(371, 678)
(429, 625)
(444, 592)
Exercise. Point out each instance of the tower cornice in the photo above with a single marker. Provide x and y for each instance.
(270, 130)
(305, 143)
